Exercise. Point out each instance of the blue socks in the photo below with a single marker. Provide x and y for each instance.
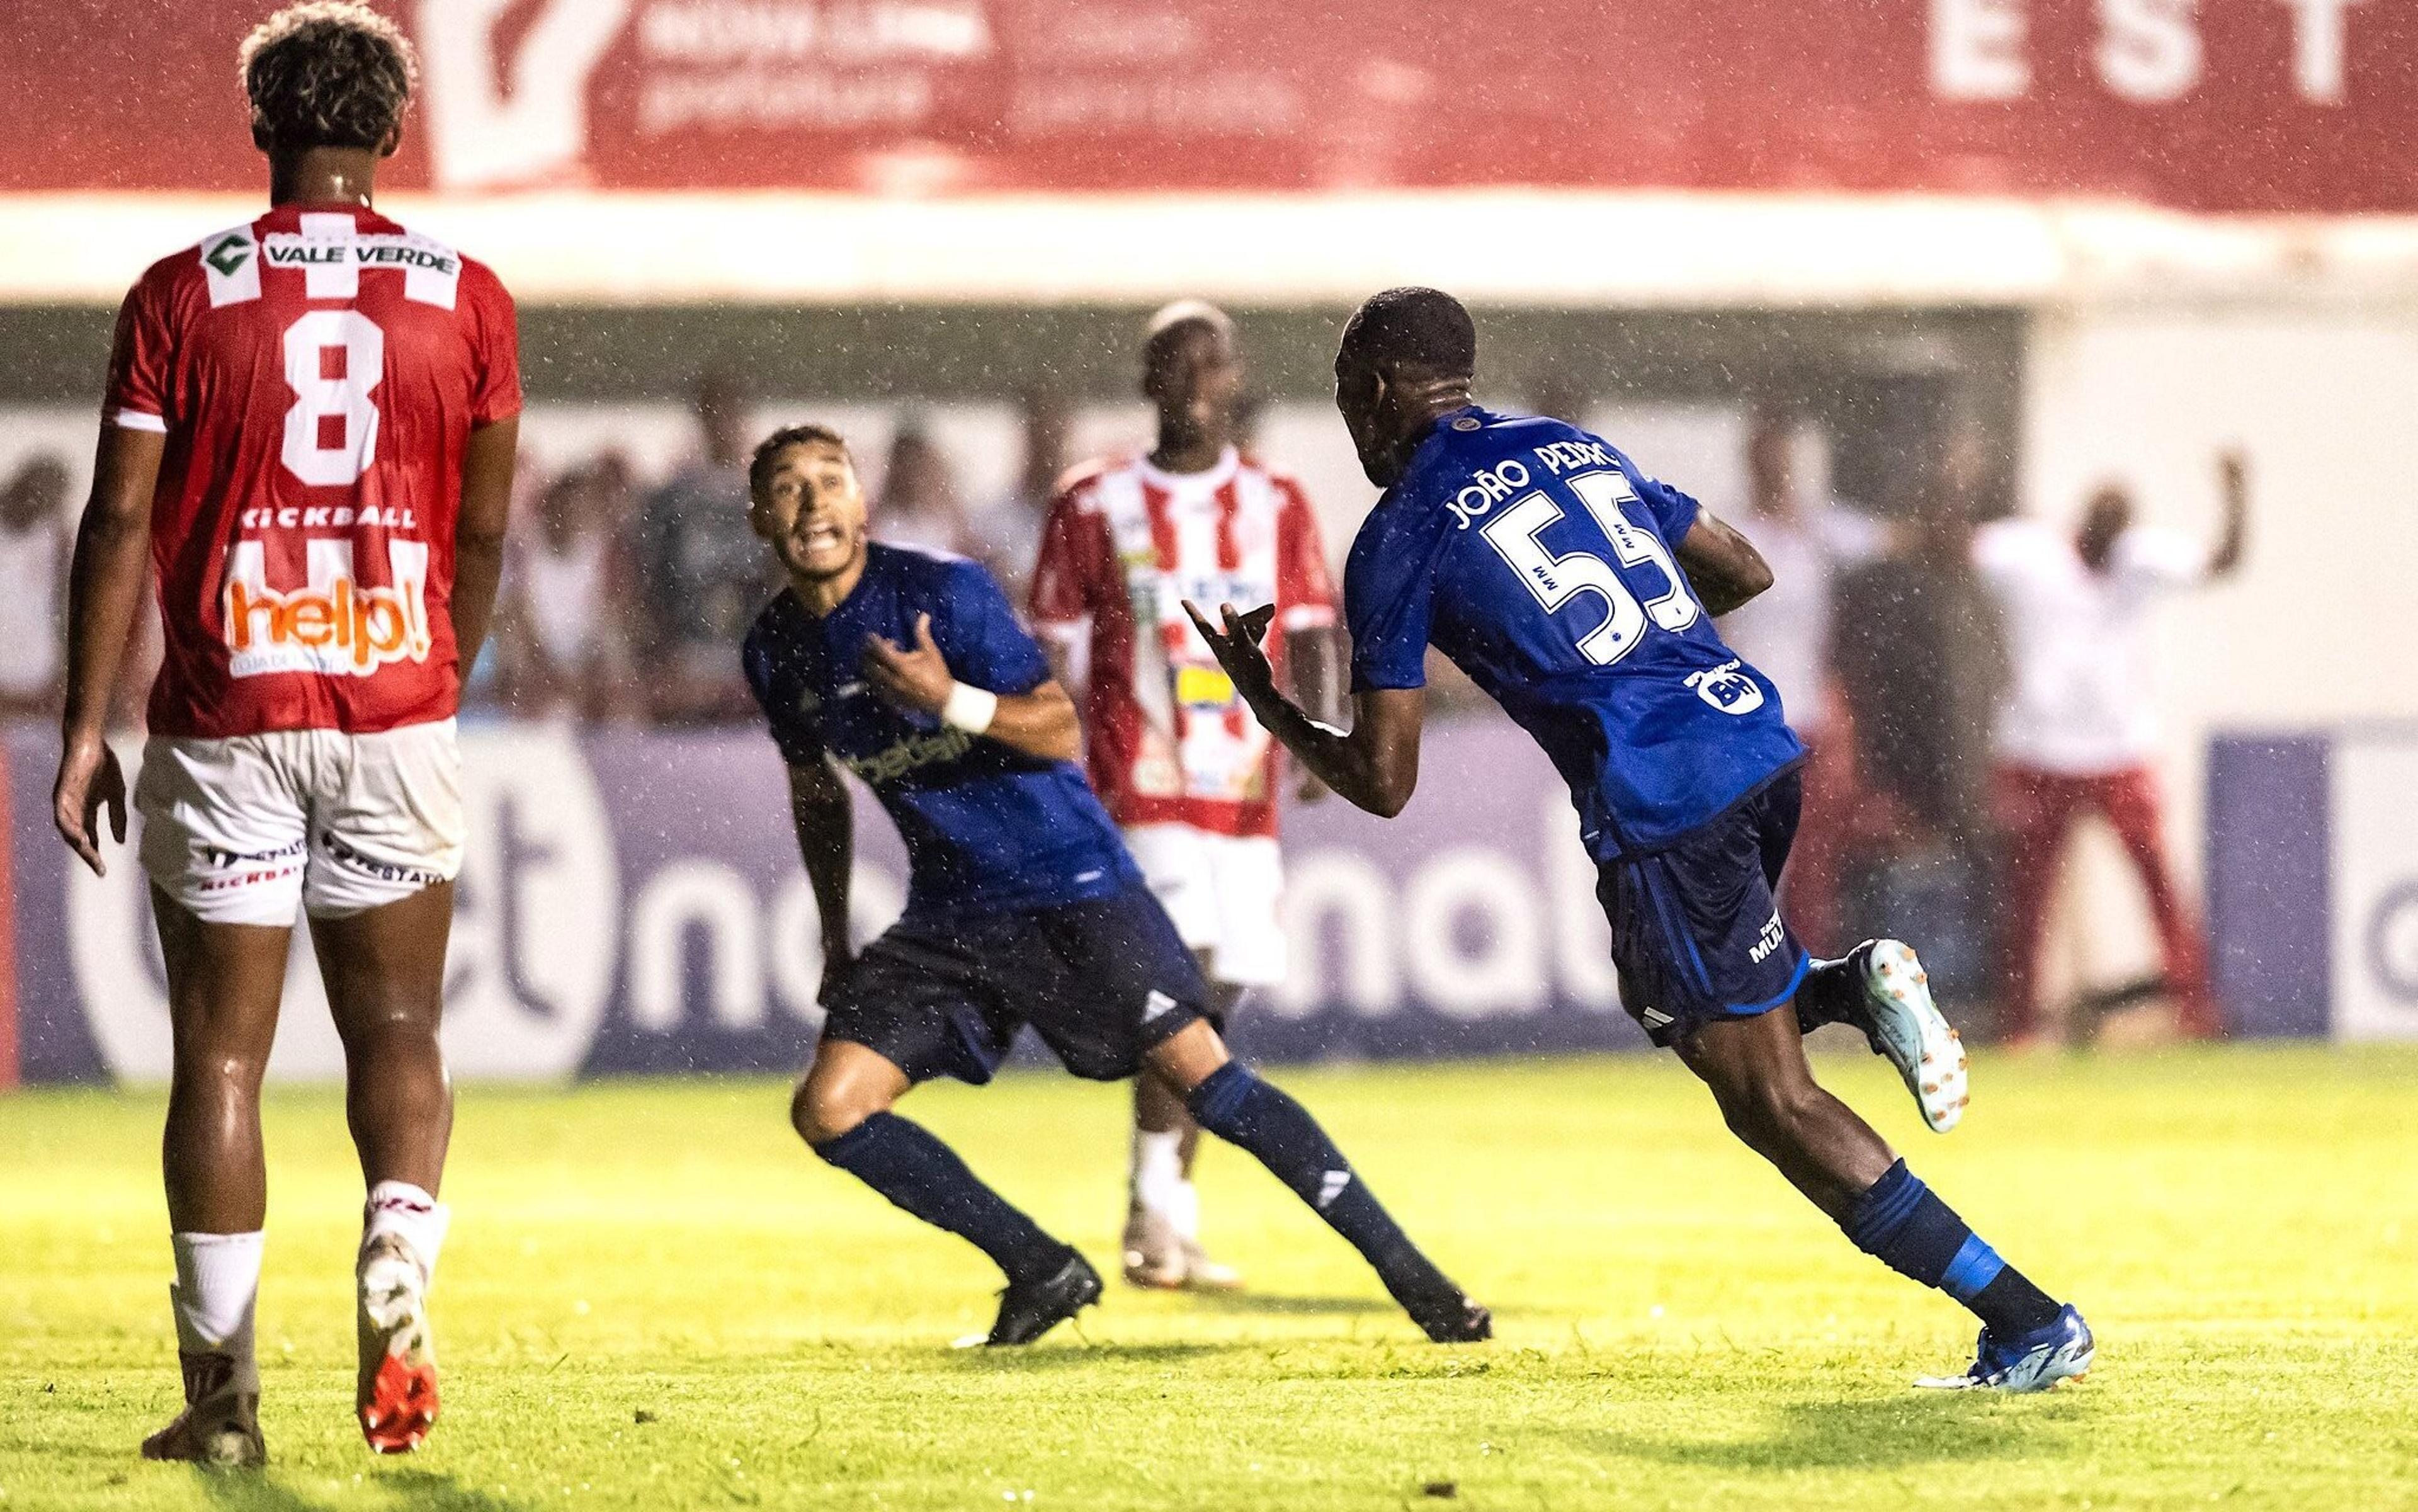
(1900, 1223)
(1241, 1110)
(904, 1163)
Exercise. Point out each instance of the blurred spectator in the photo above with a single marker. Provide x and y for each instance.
(1916, 650)
(701, 571)
(1809, 539)
(563, 627)
(2078, 723)
(34, 545)
(1006, 532)
(919, 505)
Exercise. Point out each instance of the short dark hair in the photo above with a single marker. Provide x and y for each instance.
(327, 73)
(788, 436)
(1414, 328)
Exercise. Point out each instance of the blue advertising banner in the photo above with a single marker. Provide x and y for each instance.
(633, 903)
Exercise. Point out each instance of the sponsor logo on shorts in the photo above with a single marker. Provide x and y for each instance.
(1158, 1005)
(234, 869)
(1768, 941)
(384, 871)
(1654, 1018)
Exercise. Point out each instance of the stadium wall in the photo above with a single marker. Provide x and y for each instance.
(632, 902)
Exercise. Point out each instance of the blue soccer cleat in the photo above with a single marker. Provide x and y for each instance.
(2032, 1362)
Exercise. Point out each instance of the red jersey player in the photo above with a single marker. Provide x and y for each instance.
(1183, 766)
(309, 433)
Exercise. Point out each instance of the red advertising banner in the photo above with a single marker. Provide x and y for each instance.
(2223, 105)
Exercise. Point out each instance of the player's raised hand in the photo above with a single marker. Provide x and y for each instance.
(88, 781)
(1237, 646)
(914, 679)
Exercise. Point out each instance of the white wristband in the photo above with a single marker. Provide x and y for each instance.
(970, 709)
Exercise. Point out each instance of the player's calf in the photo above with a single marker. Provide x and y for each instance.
(1240, 1108)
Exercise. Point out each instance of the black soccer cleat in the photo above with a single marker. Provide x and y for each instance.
(1027, 1309)
(1450, 1317)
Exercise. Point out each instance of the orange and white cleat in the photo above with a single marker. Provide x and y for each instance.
(397, 1392)
(1904, 1025)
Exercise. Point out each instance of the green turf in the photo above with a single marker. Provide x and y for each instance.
(654, 1298)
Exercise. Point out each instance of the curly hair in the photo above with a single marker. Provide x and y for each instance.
(327, 73)
(768, 451)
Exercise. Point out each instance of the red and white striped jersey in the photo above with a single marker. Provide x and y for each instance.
(317, 374)
(1168, 740)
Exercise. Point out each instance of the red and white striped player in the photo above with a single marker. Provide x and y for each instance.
(1176, 756)
(308, 441)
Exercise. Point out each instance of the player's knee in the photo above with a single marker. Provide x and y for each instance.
(823, 1112)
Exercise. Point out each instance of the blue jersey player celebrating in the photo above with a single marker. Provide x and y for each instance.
(909, 669)
(1580, 594)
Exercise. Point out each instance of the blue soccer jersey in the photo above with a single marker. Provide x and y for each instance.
(1539, 559)
(987, 827)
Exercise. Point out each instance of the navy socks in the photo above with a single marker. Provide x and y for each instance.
(1900, 1223)
(904, 1163)
(1241, 1110)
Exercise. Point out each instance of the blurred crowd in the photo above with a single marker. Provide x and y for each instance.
(1953, 739)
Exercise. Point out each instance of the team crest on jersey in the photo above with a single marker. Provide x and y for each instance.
(333, 624)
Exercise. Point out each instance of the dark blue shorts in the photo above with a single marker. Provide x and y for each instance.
(1101, 982)
(1697, 933)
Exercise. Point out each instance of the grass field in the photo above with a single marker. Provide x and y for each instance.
(654, 1298)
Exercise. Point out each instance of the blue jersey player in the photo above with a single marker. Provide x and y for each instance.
(1580, 594)
(909, 670)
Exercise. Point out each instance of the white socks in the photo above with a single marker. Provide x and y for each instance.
(1158, 1184)
(216, 1286)
(412, 1215)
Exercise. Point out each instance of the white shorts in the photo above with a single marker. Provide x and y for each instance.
(1221, 890)
(247, 829)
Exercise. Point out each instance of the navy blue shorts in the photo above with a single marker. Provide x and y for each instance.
(1101, 982)
(1697, 933)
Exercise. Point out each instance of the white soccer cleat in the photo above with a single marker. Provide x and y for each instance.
(1904, 1025)
(396, 1395)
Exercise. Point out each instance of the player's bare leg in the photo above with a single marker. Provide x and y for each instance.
(1758, 1075)
(842, 1109)
(1162, 1239)
(385, 974)
(1237, 1106)
(223, 985)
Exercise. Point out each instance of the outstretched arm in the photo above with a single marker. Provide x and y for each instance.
(104, 593)
(1722, 565)
(2235, 474)
(821, 815)
(1375, 764)
(1041, 723)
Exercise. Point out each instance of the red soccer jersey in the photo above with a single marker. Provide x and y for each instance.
(1167, 739)
(317, 374)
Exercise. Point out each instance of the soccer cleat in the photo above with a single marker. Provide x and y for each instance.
(1027, 1309)
(220, 1425)
(396, 1396)
(1450, 1317)
(2034, 1361)
(1902, 1023)
(1158, 1257)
